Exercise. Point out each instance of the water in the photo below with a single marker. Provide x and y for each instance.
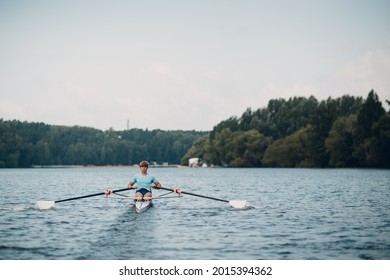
(297, 214)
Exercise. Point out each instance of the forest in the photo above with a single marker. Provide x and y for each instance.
(299, 132)
(24, 144)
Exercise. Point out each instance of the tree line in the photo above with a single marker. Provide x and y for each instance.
(301, 132)
(24, 144)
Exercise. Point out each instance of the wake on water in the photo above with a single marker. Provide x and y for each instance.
(21, 208)
(18, 208)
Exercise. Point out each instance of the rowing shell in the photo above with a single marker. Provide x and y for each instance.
(142, 205)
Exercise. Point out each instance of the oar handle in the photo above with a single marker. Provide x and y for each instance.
(194, 194)
(90, 195)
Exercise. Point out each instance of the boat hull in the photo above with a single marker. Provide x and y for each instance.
(142, 206)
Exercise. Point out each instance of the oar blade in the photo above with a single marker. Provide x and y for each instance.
(44, 204)
(239, 204)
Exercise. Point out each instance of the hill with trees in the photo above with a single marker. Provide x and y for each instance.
(301, 132)
(298, 132)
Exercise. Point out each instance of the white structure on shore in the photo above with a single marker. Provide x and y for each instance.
(193, 162)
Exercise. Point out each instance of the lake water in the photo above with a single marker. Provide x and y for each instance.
(297, 214)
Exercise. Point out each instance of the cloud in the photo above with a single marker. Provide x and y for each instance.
(160, 69)
(272, 91)
(173, 69)
(10, 110)
(370, 70)
(162, 95)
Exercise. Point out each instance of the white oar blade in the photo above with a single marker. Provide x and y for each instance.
(238, 203)
(44, 204)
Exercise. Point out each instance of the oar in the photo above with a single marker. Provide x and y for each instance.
(47, 204)
(232, 203)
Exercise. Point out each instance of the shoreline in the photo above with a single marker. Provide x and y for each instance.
(106, 166)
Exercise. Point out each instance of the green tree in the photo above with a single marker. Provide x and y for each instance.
(321, 123)
(364, 146)
(42, 155)
(369, 113)
(247, 148)
(339, 143)
(381, 143)
(290, 151)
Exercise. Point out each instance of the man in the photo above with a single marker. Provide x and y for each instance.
(144, 182)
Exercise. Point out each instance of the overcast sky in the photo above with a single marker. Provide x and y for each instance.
(178, 64)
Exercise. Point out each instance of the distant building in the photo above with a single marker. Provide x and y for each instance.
(193, 162)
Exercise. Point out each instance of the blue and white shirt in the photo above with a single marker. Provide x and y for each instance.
(144, 181)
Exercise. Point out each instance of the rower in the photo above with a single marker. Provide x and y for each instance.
(143, 183)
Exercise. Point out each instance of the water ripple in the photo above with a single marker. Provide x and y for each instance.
(297, 214)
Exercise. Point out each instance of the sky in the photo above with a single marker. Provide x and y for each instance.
(184, 64)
